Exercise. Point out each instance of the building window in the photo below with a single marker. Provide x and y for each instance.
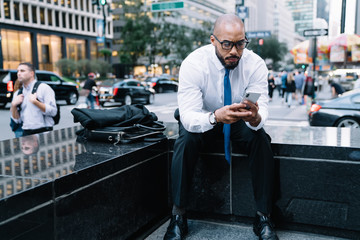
(64, 20)
(50, 22)
(82, 24)
(16, 46)
(42, 16)
(7, 9)
(75, 49)
(76, 22)
(69, 3)
(34, 14)
(56, 2)
(62, 2)
(88, 24)
(93, 50)
(57, 21)
(26, 12)
(49, 51)
(70, 21)
(16, 11)
(94, 26)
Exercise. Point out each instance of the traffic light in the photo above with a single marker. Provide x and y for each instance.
(261, 41)
(103, 2)
(303, 66)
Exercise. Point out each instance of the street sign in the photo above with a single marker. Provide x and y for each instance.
(167, 6)
(239, 2)
(315, 32)
(258, 34)
(242, 12)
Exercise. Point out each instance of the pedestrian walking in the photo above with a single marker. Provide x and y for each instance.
(290, 88)
(283, 85)
(336, 89)
(277, 78)
(271, 86)
(299, 83)
(33, 111)
(212, 83)
(88, 87)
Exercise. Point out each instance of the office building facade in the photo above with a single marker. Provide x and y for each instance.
(45, 31)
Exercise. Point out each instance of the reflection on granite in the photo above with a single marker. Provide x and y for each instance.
(319, 136)
(29, 161)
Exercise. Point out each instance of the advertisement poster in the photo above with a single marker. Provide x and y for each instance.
(337, 54)
(100, 31)
(355, 53)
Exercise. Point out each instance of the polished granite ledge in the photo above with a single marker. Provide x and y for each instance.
(294, 135)
(82, 182)
(56, 186)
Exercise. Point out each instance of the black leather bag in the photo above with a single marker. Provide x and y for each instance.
(137, 132)
(119, 125)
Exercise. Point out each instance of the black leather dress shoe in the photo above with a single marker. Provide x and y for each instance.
(264, 228)
(177, 229)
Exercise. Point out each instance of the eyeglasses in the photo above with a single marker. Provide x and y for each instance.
(228, 45)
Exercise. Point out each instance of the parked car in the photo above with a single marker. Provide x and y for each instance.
(63, 90)
(162, 84)
(106, 90)
(132, 91)
(343, 111)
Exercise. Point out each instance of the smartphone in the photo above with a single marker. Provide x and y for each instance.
(251, 96)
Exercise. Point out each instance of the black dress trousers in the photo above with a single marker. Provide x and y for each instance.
(258, 148)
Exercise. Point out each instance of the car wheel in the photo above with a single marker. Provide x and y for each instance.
(348, 122)
(128, 100)
(72, 99)
(160, 90)
(151, 99)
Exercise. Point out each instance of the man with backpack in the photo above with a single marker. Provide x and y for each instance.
(34, 105)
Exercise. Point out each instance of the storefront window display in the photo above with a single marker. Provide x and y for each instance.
(16, 47)
(49, 51)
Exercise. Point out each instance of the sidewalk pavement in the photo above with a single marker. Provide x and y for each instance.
(201, 230)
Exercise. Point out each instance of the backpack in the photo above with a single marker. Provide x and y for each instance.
(57, 116)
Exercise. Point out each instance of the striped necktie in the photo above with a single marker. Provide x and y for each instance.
(227, 101)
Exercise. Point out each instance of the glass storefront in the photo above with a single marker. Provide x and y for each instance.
(75, 49)
(49, 51)
(16, 48)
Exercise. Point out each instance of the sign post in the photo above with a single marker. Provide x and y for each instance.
(315, 33)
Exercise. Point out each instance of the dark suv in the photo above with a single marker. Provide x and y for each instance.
(63, 90)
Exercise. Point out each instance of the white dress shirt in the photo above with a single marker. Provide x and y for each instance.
(30, 115)
(201, 86)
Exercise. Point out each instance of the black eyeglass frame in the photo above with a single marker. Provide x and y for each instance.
(241, 42)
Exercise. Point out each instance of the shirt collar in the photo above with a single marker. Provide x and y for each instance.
(30, 86)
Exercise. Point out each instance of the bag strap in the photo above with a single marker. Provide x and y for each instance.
(161, 126)
(37, 83)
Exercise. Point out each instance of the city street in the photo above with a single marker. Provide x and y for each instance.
(165, 105)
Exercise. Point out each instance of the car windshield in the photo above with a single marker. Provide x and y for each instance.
(3, 77)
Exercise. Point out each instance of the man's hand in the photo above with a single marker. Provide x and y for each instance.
(17, 100)
(33, 98)
(233, 113)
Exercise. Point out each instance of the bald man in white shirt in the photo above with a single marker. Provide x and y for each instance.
(203, 113)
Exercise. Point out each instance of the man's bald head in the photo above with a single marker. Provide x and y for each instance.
(225, 20)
